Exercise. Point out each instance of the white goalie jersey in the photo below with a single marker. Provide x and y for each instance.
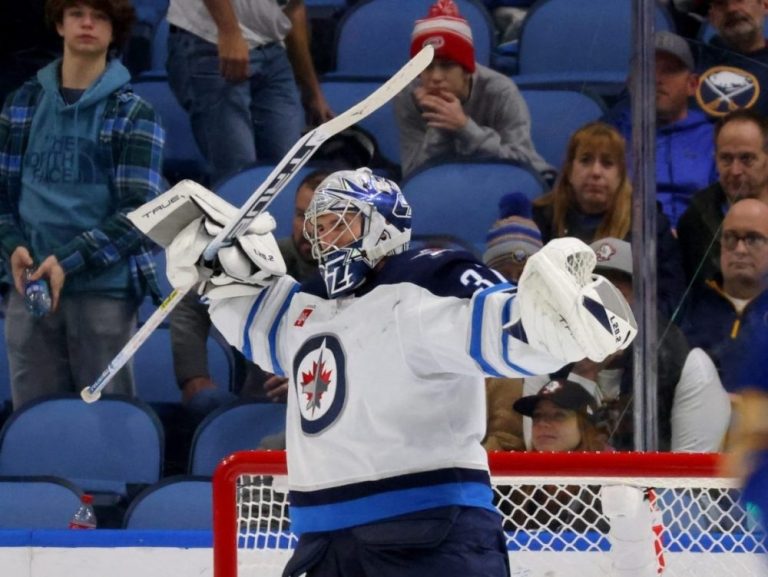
(386, 404)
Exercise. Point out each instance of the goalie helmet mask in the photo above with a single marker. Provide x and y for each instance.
(354, 220)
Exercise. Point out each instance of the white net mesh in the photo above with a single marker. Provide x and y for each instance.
(554, 526)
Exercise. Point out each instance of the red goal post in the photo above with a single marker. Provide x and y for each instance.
(551, 508)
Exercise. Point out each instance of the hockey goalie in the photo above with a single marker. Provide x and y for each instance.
(386, 352)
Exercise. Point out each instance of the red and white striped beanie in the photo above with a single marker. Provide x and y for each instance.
(447, 32)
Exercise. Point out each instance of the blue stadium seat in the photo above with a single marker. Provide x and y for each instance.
(555, 116)
(103, 447)
(237, 188)
(374, 36)
(38, 502)
(461, 198)
(175, 503)
(153, 367)
(181, 156)
(236, 427)
(382, 124)
(584, 43)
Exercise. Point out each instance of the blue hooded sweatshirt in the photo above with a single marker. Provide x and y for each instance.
(685, 157)
(67, 173)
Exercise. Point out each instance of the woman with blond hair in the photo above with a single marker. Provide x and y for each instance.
(592, 199)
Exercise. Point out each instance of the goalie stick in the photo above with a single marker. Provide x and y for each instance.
(286, 169)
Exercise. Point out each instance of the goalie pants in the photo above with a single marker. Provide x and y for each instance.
(447, 541)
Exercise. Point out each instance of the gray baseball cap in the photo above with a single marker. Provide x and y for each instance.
(613, 254)
(676, 46)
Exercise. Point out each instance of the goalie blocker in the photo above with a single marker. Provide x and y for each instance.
(394, 343)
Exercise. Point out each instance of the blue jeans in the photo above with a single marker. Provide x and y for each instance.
(67, 350)
(235, 124)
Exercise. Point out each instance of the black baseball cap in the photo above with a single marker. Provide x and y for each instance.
(565, 394)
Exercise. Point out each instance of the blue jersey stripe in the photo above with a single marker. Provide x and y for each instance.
(387, 505)
(276, 367)
(453, 475)
(476, 332)
(506, 317)
(247, 348)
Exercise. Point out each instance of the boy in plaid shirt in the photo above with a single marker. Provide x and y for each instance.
(78, 150)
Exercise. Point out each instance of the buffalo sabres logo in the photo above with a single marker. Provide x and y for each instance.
(320, 376)
(723, 89)
(604, 252)
(551, 388)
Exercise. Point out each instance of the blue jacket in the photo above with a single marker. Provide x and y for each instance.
(711, 322)
(685, 157)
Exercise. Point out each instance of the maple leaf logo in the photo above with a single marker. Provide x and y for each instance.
(315, 382)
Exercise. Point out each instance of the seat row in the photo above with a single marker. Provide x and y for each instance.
(114, 448)
(584, 43)
(556, 112)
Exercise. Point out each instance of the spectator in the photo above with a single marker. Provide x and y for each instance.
(511, 240)
(230, 66)
(564, 418)
(693, 409)
(734, 65)
(685, 146)
(190, 325)
(741, 155)
(79, 151)
(731, 307)
(592, 200)
(458, 107)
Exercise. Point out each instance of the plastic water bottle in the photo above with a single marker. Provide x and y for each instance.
(84, 517)
(37, 296)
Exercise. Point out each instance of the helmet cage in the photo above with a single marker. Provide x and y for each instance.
(384, 219)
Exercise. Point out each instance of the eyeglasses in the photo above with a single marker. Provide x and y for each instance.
(752, 240)
(746, 159)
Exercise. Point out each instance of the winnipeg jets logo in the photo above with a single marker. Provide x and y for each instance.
(319, 371)
(316, 382)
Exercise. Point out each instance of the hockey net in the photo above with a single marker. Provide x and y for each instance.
(551, 505)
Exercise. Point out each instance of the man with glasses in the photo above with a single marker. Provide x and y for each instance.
(741, 157)
(732, 306)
